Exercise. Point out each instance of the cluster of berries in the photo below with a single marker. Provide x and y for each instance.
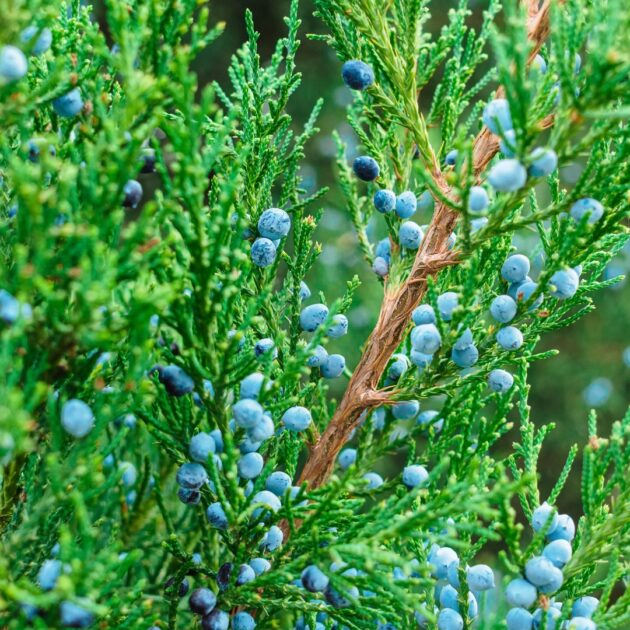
(274, 225)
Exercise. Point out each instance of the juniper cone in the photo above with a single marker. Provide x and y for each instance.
(187, 438)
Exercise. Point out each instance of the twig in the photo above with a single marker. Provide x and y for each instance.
(398, 303)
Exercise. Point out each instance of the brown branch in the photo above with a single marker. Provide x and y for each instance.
(398, 303)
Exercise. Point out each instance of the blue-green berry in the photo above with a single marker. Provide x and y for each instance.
(496, 116)
(74, 616)
(500, 381)
(507, 176)
(347, 457)
(263, 252)
(406, 410)
(420, 359)
(558, 552)
(251, 385)
(520, 592)
(68, 105)
(250, 465)
(406, 204)
(334, 366)
(175, 380)
(564, 284)
(414, 475)
(366, 168)
(423, 314)
(357, 74)
(77, 418)
(585, 606)
(133, 193)
(525, 291)
(380, 267)
(191, 475)
(43, 41)
(274, 224)
(449, 597)
(451, 158)
(318, 357)
(508, 143)
(243, 621)
(374, 480)
(247, 413)
(425, 201)
(278, 482)
(216, 516)
(297, 418)
(426, 338)
(314, 579)
(480, 578)
(478, 199)
(263, 430)
(587, 207)
(519, 619)
(245, 574)
(510, 338)
(465, 357)
(201, 446)
(543, 162)
(273, 537)
(546, 619)
(447, 303)
(202, 601)
(339, 326)
(265, 346)
(48, 574)
(384, 201)
(410, 235)
(540, 571)
(564, 529)
(544, 516)
(503, 309)
(313, 316)
(305, 292)
(260, 565)
(449, 619)
(216, 620)
(13, 64)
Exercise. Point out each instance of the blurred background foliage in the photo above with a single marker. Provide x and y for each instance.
(592, 369)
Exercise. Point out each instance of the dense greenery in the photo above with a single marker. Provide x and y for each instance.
(153, 313)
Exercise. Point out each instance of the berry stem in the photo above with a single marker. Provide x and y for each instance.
(362, 393)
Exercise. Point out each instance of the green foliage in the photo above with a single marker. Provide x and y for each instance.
(105, 293)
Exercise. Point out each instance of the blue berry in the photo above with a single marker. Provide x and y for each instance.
(216, 516)
(313, 316)
(420, 359)
(510, 338)
(425, 201)
(564, 284)
(374, 480)
(525, 292)
(175, 380)
(451, 158)
(497, 117)
(273, 537)
(539, 64)
(201, 447)
(585, 606)
(406, 410)
(380, 267)
(414, 475)
(318, 357)
(263, 430)
(336, 599)
(410, 235)
(347, 457)
(366, 168)
(297, 418)
(245, 574)
(544, 516)
(243, 621)
(478, 199)
(48, 574)
(440, 559)
(587, 207)
(500, 381)
(129, 473)
(558, 552)
(68, 105)
(465, 357)
(540, 571)
(247, 413)
(251, 385)
(263, 252)
(398, 367)
(314, 580)
(43, 41)
(564, 529)
(406, 204)
(77, 418)
(260, 565)
(520, 592)
(452, 574)
(449, 619)
(580, 623)
(250, 465)
(334, 366)
(447, 303)
(265, 346)
(426, 338)
(339, 326)
(423, 314)
(448, 598)
(384, 249)
(478, 224)
(384, 200)
(429, 418)
(278, 482)
(216, 620)
(11, 308)
(13, 64)
(543, 162)
(519, 619)
(357, 75)
(191, 475)
(503, 309)
(305, 292)
(549, 616)
(507, 175)
(133, 193)
(274, 224)
(202, 601)
(75, 616)
(480, 578)
(508, 143)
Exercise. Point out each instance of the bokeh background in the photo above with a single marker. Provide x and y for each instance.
(593, 367)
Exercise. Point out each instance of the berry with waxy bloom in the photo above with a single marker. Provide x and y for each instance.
(313, 316)
(503, 309)
(314, 579)
(133, 193)
(216, 516)
(500, 381)
(77, 418)
(410, 235)
(447, 303)
(68, 105)
(202, 601)
(589, 207)
(496, 116)
(406, 204)
(521, 592)
(263, 252)
(510, 338)
(384, 200)
(357, 74)
(423, 314)
(297, 418)
(334, 366)
(544, 516)
(366, 168)
(478, 199)
(515, 268)
(274, 224)
(339, 326)
(13, 64)
(544, 162)
(414, 475)
(564, 284)
(507, 176)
